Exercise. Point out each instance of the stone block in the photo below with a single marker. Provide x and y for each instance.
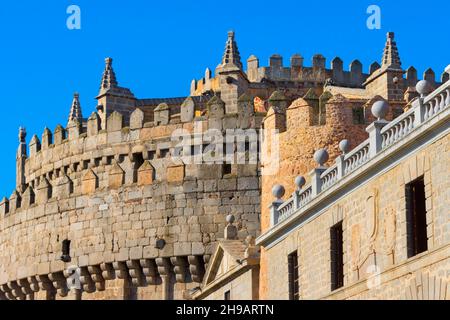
(137, 119)
(116, 176)
(146, 174)
(175, 173)
(89, 182)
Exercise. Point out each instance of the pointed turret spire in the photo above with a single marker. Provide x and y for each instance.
(75, 109)
(231, 55)
(109, 77)
(391, 58)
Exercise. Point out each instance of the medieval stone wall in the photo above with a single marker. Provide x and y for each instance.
(140, 224)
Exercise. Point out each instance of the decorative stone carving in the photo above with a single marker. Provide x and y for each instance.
(135, 271)
(149, 269)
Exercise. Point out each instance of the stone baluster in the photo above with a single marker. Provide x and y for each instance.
(278, 192)
(344, 146)
(321, 157)
(423, 87)
(299, 182)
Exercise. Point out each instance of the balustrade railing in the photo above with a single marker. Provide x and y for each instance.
(423, 110)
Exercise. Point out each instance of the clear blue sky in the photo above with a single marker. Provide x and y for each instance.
(160, 46)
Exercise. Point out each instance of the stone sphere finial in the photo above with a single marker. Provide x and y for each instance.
(230, 219)
(423, 87)
(344, 146)
(300, 182)
(321, 156)
(380, 109)
(278, 191)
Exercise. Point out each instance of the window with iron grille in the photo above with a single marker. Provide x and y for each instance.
(337, 256)
(294, 292)
(416, 219)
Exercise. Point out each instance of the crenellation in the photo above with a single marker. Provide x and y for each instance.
(46, 138)
(374, 67)
(35, 145)
(356, 75)
(4, 207)
(430, 76)
(318, 61)
(59, 135)
(337, 67)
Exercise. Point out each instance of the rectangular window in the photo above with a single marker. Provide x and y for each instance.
(226, 169)
(294, 292)
(337, 257)
(358, 116)
(416, 218)
(227, 295)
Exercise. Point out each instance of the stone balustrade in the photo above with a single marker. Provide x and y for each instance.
(382, 135)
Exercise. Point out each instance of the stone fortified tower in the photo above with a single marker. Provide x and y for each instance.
(113, 207)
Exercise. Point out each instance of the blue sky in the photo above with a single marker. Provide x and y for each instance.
(160, 46)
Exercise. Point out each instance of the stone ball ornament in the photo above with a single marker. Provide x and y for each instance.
(278, 191)
(344, 146)
(300, 182)
(380, 109)
(230, 218)
(423, 87)
(321, 156)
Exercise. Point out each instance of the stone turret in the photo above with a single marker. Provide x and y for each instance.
(388, 81)
(391, 57)
(233, 81)
(109, 80)
(75, 109)
(231, 56)
(112, 97)
(20, 160)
